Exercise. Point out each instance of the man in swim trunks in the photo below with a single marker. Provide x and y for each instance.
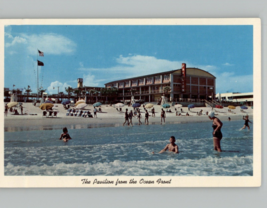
(246, 122)
(172, 147)
(126, 117)
(146, 117)
(65, 136)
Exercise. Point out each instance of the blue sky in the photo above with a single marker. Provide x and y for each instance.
(100, 54)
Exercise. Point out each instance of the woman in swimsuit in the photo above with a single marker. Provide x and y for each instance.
(146, 117)
(217, 134)
(246, 122)
(163, 115)
(65, 136)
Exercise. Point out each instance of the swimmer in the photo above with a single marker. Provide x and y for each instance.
(246, 122)
(217, 134)
(126, 117)
(163, 115)
(172, 147)
(65, 136)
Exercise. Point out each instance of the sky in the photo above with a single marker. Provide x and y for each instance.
(100, 54)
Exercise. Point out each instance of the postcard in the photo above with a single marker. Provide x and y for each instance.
(130, 102)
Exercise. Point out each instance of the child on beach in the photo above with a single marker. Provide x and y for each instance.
(172, 147)
(65, 135)
(163, 115)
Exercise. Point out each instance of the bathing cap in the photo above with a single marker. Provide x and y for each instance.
(211, 114)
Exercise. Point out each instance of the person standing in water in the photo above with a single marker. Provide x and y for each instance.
(163, 115)
(139, 117)
(153, 112)
(217, 134)
(65, 135)
(246, 122)
(130, 117)
(146, 117)
(126, 117)
(172, 147)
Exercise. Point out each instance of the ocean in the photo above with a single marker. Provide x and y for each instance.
(126, 151)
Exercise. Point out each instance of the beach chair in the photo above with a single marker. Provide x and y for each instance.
(80, 113)
(44, 113)
(50, 113)
(84, 113)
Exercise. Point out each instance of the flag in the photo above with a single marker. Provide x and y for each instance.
(41, 53)
(39, 63)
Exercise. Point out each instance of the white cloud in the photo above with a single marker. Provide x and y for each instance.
(227, 64)
(139, 65)
(53, 87)
(49, 43)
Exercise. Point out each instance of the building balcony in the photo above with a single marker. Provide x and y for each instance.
(149, 82)
(166, 81)
(156, 91)
(157, 82)
(134, 85)
(141, 84)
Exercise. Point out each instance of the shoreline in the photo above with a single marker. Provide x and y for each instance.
(31, 124)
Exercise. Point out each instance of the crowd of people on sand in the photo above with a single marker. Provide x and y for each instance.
(128, 116)
(13, 110)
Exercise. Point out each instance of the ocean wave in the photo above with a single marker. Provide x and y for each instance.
(209, 166)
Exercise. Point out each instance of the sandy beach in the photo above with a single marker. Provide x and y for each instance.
(110, 117)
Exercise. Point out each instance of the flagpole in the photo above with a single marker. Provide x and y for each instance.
(37, 77)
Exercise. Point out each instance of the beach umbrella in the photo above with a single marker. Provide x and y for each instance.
(218, 106)
(97, 104)
(243, 107)
(48, 101)
(149, 105)
(119, 105)
(136, 105)
(79, 101)
(231, 107)
(178, 105)
(81, 105)
(65, 102)
(191, 106)
(12, 104)
(46, 106)
(166, 105)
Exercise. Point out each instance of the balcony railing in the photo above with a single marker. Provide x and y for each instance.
(156, 91)
(166, 80)
(141, 83)
(157, 82)
(134, 84)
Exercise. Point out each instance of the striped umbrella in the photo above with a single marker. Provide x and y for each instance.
(191, 106)
(97, 104)
(81, 105)
(119, 105)
(12, 104)
(178, 106)
(46, 106)
(136, 105)
(65, 102)
(79, 102)
(231, 107)
(166, 105)
(149, 105)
